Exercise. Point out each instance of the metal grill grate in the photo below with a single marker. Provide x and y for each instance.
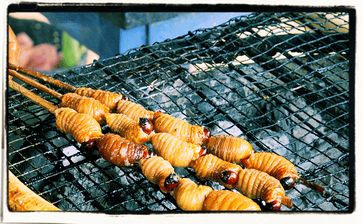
(279, 79)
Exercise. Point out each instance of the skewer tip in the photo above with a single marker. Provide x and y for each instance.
(312, 185)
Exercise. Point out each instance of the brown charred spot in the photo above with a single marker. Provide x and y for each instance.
(207, 133)
(274, 205)
(146, 153)
(228, 177)
(146, 125)
(124, 98)
(244, 162)
(171, 182)
(203, 151)
(287, 183)
(98, 142)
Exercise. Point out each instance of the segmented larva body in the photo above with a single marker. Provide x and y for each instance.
(229, 148)
(82, 127)
(13, 48)
(190, 196)
(133, 110)
(177, 152)
(107, 98)
(21, 198)
(159, 171)
(120, 151)
(256, 184)
(215, 169)
(127, 128)
(181, 129)
(85, 105)
(273, 164)
(224, 200)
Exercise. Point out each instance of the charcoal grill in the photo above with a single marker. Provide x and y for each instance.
(279, 79)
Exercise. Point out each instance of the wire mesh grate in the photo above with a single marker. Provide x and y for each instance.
(279, 79)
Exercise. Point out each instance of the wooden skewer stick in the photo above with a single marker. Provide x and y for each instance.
(43, 77)
(32, 96)
(35, 84)
(311, 185)
(21, 198)
(110, 99)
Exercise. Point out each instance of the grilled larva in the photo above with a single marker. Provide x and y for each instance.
(159, 171)
(133, 110)
(229, 148)
(83, 127)
(120, 151)
(108, 98)
(212, 168)
(224, 200)
(190, 196)
(85, 105)
(177, 152)
(181, 129)
(256, 184)
(128, 128)
(275, 165)
(13, 48)
(21, 198)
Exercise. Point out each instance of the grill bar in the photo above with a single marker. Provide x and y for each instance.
(269, 64)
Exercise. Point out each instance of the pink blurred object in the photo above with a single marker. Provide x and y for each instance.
(41, 57)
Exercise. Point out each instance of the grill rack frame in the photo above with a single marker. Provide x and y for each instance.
(149, 55)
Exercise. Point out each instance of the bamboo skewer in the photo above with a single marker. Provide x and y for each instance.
(121, 124)
(43, 77)
(312, 185)
(21, 198)
(32, 96)
(35, 84)
(108, 98)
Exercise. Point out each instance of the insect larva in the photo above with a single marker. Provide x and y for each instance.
(159, 171)
(213, 168)
(13, 48)
(83, 127)
(128, 128)
(134, 111)
(190, 196)
(256, 184)
(177, 152)
(181, 129)
(21, 198)
(85, 105)
(120, 151)
(229, 148)
(275, 165)
(224, 200)
(107, 98)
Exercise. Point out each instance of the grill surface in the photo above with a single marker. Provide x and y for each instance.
(279, 79)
